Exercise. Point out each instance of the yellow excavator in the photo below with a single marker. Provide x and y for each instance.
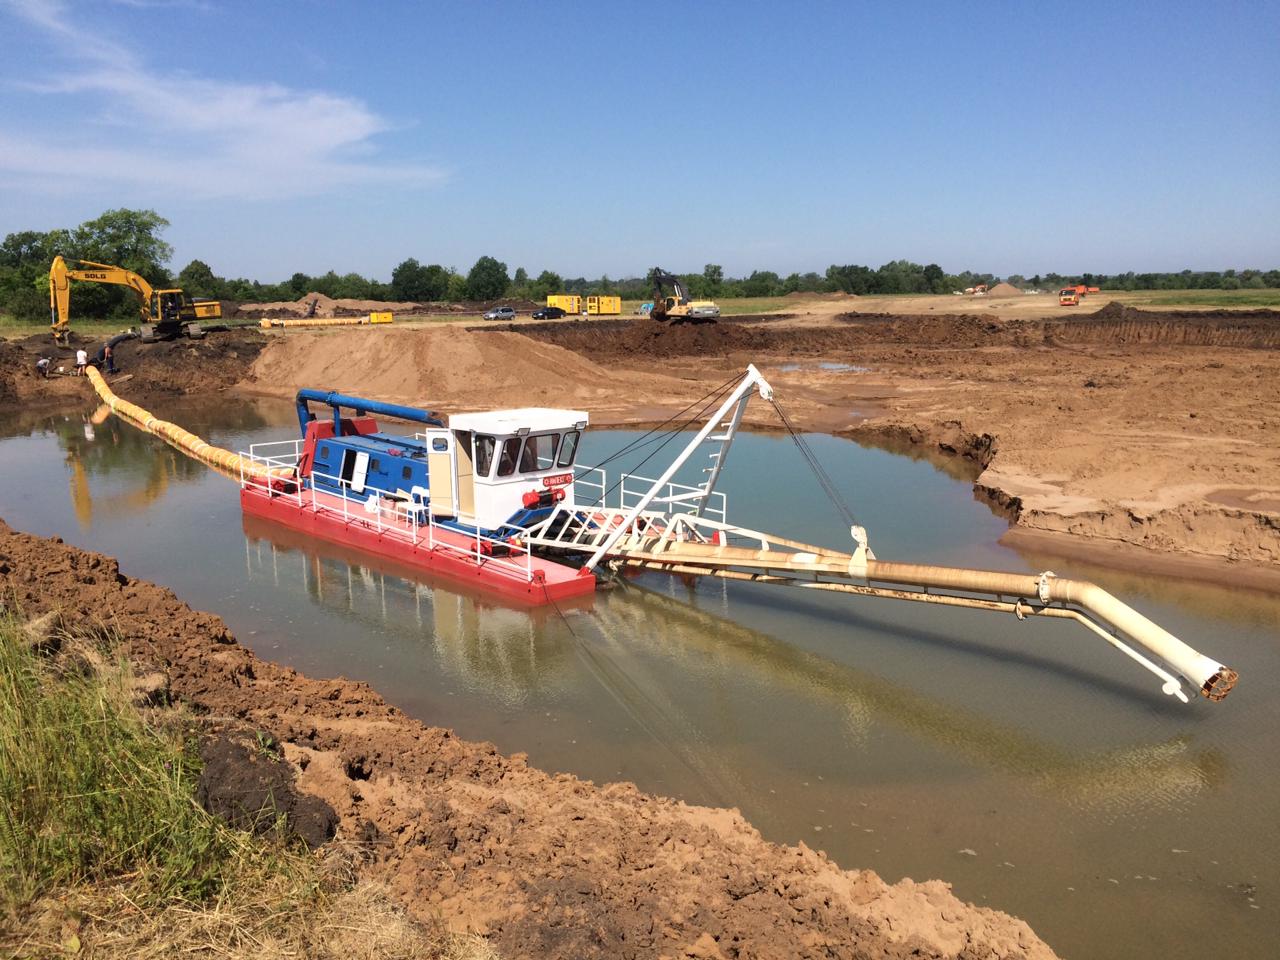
(165, 313)
(678, 308)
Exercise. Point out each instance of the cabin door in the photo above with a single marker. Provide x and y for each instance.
(359, 471)
(440, 473)
(466, 474)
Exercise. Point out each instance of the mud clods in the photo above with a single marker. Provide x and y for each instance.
(246, 781)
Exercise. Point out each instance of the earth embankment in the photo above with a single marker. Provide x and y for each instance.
(544, 865)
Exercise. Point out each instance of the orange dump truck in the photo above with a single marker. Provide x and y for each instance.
(1070, 296)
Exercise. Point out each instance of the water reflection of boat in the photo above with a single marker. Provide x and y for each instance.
(510, 651)
(514, 654)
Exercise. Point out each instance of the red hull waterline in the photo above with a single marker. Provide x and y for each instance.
(551, 581)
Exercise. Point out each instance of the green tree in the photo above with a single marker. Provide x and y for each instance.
(456, 289)
(521, 277)
(197, 280)
(299, 284)
(487, 280)
(126, 238)
(713, 279)
(547, 283)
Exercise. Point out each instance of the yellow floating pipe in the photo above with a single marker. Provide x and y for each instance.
(267, 322)
(185, 440)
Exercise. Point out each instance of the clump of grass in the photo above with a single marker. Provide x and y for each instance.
(89, 789)
(104, 849)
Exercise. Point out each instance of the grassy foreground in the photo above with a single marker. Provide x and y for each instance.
(104, 851)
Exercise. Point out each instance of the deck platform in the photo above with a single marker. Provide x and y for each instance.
(517, 577)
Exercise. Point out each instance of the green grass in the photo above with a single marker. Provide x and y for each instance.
(89, 790)
(13, 328)
(103, 849)
(1198, 298)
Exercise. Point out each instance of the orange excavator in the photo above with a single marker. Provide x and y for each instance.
(165, 314)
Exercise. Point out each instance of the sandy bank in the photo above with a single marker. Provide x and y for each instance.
(546, 866)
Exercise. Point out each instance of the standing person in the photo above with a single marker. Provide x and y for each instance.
(108, 354)
(82, 361)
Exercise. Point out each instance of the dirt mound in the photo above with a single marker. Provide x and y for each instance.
(1004, 290)
(1115, 323)
(546, 866)
(181, 366)
(326, 307)
(424, 365)
(623, 339)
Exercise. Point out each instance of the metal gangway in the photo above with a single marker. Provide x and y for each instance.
(661, 525)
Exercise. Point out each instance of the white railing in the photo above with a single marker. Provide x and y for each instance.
(592, 479)
(672, 497)
(403, 524)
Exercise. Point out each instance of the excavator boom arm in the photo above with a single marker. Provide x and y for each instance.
(60, 277)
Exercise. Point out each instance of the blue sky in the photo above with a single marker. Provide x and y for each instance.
(595, 138)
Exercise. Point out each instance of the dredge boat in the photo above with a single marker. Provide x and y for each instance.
(498, 499)
(452, 499)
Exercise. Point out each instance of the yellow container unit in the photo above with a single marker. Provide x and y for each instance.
(384, 317)
(604, 306)
(568, 302)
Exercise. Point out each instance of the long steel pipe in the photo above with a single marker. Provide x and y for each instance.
(1213, 679)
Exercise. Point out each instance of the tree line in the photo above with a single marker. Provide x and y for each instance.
(132, 239)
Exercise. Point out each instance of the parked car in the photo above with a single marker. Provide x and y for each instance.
(549, 313)
(704, 311)
(501, 313)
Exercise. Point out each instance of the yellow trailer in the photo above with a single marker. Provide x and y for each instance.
(568, 302)
(604, 306)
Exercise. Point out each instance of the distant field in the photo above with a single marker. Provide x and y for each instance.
(1197, 298)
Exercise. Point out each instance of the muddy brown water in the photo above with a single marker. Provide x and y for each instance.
(1027, 763)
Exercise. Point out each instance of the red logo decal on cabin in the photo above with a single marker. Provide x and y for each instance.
(559, 480)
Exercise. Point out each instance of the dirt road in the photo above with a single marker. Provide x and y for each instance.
(546, 866)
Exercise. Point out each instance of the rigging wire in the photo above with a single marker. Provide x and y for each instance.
(711, 399)
(642, 440)
(824, 479)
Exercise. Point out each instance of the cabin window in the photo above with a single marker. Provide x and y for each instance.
(440, 445)
(373, 465)
(324, 451)
(568, 449)
(539, 452)
(405, 472)
(507, 460)
(484, 454)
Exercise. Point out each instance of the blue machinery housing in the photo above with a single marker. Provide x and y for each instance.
(358, 405)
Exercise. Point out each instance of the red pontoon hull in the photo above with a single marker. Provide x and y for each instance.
(443, 552)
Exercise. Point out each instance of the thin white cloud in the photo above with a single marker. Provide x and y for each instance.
(203, 136)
